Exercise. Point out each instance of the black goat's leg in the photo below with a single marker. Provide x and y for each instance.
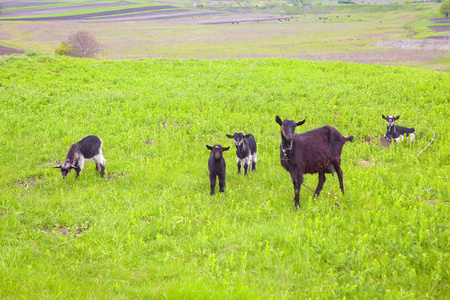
(212, 180)
(78, 170)
(246, 167)
(102, 169)
(239, 166)
(254, 162)
(340, 174)
(297, 180)
(322, 180)
(222, 183)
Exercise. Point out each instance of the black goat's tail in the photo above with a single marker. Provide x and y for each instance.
(349, 138)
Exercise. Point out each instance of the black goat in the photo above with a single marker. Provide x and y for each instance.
(217, 167)
(315, 151)
(245, 150)
(89, 148)
(396, 132)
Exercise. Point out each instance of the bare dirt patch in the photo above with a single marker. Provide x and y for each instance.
(7, 50)
(366, 163)
(18, 4)
(379, 140)
(63, 230)
(115, 176)
(441, 28)
(440, 20)
(410, 44)
(387, 56)
(431, 201)
(29, 182)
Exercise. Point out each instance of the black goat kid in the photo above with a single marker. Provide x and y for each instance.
(217, 167)
(245, 150)
(395, 132)
(89, 148)
(315, 151)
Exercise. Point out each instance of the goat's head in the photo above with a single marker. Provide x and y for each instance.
(288, 128)
(217, 151)
(66, 167)
(390, 120)
(238, 139)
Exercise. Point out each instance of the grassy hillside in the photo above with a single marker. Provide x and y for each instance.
(150, 228)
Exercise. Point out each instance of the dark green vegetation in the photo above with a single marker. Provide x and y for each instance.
(150, 229)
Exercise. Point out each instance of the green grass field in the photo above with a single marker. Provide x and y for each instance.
(150, 229)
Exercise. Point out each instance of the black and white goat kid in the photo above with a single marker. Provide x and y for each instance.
(89, 148)
(246, 151)
(217, 167)
(395, 132)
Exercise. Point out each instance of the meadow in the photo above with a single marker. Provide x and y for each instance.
(150, 229)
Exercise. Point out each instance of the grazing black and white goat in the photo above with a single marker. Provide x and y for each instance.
(217, 167)
(395, 132)
(245, 150)
(315, 151)
(89, 148)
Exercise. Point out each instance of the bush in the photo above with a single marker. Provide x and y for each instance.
(80, 44)
(63, 49)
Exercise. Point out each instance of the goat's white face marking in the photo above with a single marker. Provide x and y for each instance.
(238, 139)
(390, 120)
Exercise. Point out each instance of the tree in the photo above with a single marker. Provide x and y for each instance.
(445, 8)
(83, 44)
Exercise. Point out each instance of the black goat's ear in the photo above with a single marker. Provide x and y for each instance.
(209, 147)
(278, 120)
(226, 149)
(230, 136)
(396, 118)
(383, 117)
(57, 167)
(301, 122)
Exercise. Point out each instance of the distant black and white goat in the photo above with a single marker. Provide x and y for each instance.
(245, 150)
(217, 167)
(395, 132)
(89, 148)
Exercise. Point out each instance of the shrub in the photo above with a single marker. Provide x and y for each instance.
(83, 44)
(63, 49)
